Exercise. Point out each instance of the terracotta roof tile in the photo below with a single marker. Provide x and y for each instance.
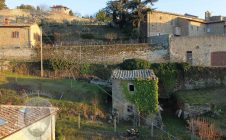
(133, 74)
(16, 120)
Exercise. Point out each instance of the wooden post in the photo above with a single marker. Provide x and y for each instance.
(138, 118)
(79, 121)
(192, 129)
(152, 129)
(115, 124)
(41, 55)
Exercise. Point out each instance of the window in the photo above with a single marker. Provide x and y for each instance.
(36, 37)
(189, 57)
(197, 28)
(131, 87)
(129, 108)
(15, 34)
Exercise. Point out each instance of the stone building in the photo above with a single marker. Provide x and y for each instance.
(206, 51)
(27, 123)
(60, 9)
(161, 23)
(17, 35)
(121, 77)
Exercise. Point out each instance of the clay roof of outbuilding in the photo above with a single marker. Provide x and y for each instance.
(133, 74)
(14, 117)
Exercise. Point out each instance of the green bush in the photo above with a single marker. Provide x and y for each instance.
(168, 74)
(60, 64)
(101, 71)
(10, 97)
(135, 64)
(85, 69)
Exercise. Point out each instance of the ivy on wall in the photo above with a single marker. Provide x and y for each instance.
(145, 96)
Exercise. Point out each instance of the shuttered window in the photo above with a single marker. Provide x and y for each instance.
(15, 34)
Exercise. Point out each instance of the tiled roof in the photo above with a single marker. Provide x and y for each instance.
(133, 74)
(190, 18)
(16, 120)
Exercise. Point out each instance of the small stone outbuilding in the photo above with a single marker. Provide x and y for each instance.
(119, 101)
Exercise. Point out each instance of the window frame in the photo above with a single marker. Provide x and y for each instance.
(129, 87)
(130, 108)
(15, 34)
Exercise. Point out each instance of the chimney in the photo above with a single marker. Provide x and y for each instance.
(6, 21)
(207, 15)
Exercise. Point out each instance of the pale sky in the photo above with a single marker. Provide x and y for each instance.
(90, 7)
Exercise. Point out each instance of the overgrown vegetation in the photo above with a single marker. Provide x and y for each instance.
(145, 96)
(78, 99)
(170, 74)
(135, 64)
(214, 96)
(2, 4)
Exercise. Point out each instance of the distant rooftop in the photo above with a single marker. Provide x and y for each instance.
(133, 74)
(188, 16)
(9, 117)
(59, 6)
(214, 19)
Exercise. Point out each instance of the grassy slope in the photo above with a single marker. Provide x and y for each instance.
(75, 94)
(210, 96)
(72, 90)
(80, 92)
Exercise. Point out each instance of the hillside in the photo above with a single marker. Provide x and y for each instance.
(13, 14)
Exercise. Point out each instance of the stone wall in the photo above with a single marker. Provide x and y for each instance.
(201, 48)
(18, 54)
(109, 54)
(8, 41)
(119, 100)
(191, 84)
(95, 54)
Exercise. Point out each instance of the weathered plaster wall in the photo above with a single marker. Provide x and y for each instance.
(216, 28)
(34, 29)
(201, 47)
(6, 40)
(119, 100)
(196, 28)
(160, 23)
